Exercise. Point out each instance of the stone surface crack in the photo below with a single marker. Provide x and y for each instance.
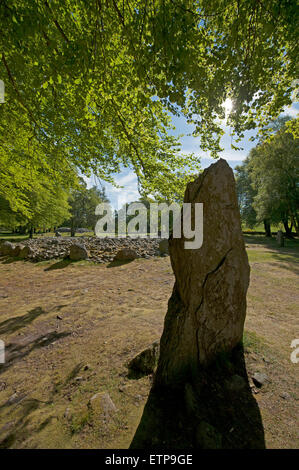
(202, 299)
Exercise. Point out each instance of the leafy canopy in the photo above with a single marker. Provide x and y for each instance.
(268, 181)
(93, 83)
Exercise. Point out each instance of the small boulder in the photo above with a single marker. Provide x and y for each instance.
(25, 252)
(78, 252)
(285, 395)
(68, 414)
(260, 379)
(145, 362)
(16, 251)
(125, 254)
(102, 404)
(7, 248)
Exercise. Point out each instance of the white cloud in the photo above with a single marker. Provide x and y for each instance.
(290, 111)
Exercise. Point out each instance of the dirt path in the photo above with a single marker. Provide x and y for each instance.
(69, 331)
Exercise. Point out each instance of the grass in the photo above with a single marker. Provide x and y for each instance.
(107, 316)
(254, 343)
(260, 228)
(16, 237)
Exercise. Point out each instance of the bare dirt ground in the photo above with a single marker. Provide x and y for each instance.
(70, 329)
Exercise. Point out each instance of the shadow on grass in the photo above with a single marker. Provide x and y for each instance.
(288, 253)
(18, 430)
(212, 409)
(15, 323)
(271, 243)
(15, 352)
(61, 264)
(11, 259)
(115, 264)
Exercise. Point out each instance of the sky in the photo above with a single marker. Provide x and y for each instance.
(127, 179)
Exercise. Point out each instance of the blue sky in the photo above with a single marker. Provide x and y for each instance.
(127, 179)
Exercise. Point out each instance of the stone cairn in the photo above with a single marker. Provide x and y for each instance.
(98, 250)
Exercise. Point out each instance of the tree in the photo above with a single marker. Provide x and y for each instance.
(245, 193)
(29, 168)
(95, 81)
(83, 202)
(267, 182)
(46, 206)
(273, 167)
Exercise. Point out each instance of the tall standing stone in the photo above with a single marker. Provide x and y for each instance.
(209, 295)
(204, 322)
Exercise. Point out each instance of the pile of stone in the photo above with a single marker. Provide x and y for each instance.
(101, 250)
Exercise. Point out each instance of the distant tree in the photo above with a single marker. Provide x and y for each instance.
(245, 193)
(83, 202)
(273, 169)
(46, 206)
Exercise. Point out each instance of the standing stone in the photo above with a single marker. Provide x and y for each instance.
(280, 238)
(211, 282)
(201, 345)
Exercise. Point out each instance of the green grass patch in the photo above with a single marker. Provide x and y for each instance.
(254, 343)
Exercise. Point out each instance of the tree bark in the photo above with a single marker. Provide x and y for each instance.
(267, 226)
(73, 229)
(288, 229)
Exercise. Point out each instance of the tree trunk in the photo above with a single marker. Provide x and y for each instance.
(201, 389)
(73, 229)
(267, 227)
(31, 232)
(288, 229)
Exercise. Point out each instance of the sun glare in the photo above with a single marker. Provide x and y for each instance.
(228, 106)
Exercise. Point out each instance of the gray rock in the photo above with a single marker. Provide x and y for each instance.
(7, 248)
(68, 414)
(102, 404)
(78, 252)
(25, 252)
(285, 395)
(126, 254)
(16, 251)
(211, 281)
(146, 362)
(260, 379)
(2, 386)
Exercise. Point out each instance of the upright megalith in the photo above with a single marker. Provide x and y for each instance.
(207, 309)
(193, 401)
